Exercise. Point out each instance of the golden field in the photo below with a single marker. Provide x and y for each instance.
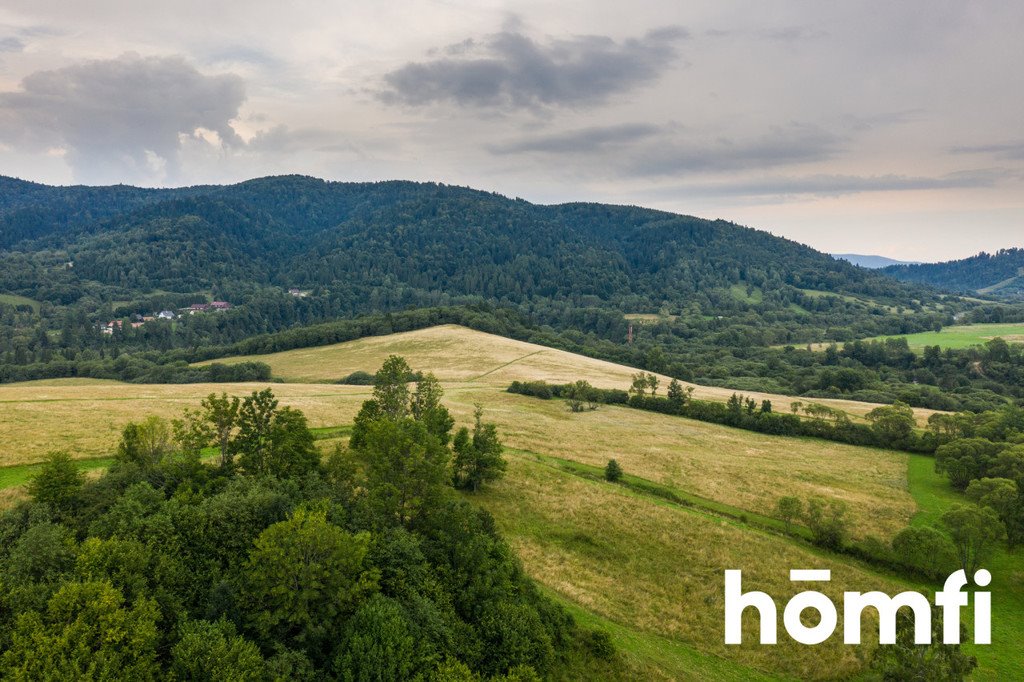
(651, 569)
(746, 470)
(659, 568)
(457, 354)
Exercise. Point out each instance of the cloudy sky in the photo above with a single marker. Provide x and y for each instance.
(894, 128)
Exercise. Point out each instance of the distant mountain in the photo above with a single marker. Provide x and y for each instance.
(1000, 274)
(871, 262)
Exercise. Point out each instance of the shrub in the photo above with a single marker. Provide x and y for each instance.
(612, 471)
(827, 522)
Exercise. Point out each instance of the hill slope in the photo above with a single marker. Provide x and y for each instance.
(999, 274)
(394, 244)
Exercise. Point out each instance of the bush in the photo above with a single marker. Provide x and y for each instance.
(827, 522)
(358, 378)
(612, 471)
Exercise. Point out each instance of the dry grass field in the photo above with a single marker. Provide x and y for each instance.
(659, 568)
(746, 470)
(651, 568)
(85, 417)
(458, 354)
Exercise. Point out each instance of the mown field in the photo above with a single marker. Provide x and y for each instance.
(457, 354)
(644, 567)
(965, 336)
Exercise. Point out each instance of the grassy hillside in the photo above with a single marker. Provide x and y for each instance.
(644, 565)
(460, 355)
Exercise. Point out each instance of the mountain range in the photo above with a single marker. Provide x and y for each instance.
(999, 274)
(870, 262)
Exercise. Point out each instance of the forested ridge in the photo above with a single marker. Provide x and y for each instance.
(83, 270)
(1000, 273)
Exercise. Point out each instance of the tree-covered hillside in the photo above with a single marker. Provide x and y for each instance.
(84, 270)
(1000, 274)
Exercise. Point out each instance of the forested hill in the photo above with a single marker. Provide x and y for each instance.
(390, 244)
(1000, 274)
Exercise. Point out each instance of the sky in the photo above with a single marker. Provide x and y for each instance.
(890, 128)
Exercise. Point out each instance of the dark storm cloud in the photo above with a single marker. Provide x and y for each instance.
(1009, 150)
(121, 118)
(585, 140)
(510, 69)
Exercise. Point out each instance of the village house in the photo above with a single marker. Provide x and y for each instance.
(216, 306)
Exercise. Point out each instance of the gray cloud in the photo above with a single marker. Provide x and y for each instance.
(782, 146)
(1009, 150)
(11, 44)
(584, 140)
(510, 69)
(644, 150)
(837, 185)
(122, 118)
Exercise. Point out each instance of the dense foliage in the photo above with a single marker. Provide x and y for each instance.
(269, 564)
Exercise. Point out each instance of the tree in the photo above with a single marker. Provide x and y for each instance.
(145, 443)
(216, 422)
(965, 459)
(827, 522)
(999, 494)
(652, 383)
(1008, 464)
(935, 662)
(975, 531)
(292, 451)
(788, 509)
(45, 553)
(406, 469)
(86, 631)
(427, 408)
(612, 471)
(478, 458)
(391, 387)
(580, 394)
(679, 395)
(639, 385)
(925, 549)
(58, 484)
(255, 418)
(893, 424)
(208, 652)
(302, 577)
(379, 644)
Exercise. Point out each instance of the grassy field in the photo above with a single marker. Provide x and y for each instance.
(465, 356)
(623, 557)
(740, 468)
(965, 336)
(657, 568)
(14, 299)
